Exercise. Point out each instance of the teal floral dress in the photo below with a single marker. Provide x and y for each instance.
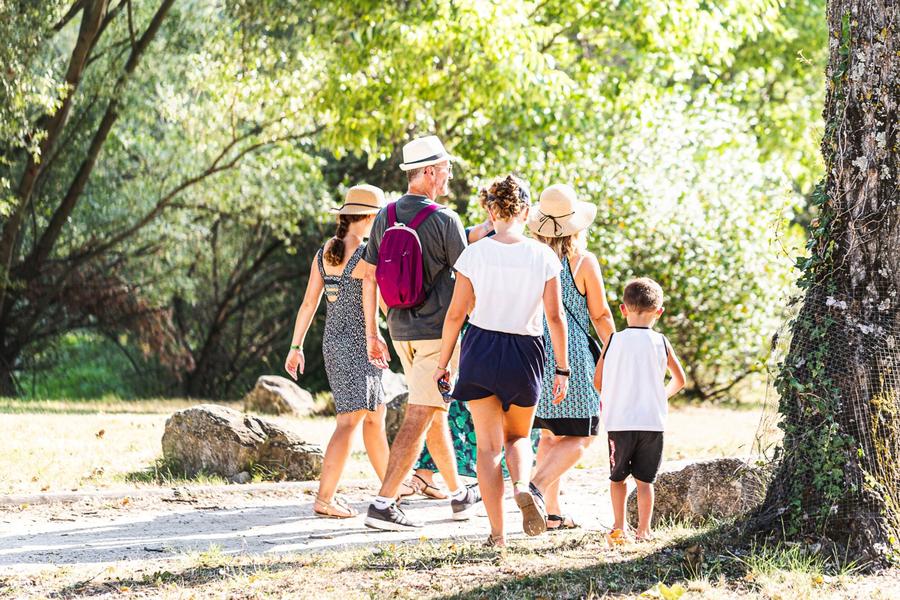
(582, 400)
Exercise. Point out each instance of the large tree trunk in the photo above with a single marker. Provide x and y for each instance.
(839, 475)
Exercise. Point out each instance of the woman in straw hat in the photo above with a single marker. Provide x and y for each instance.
(568, 427)
(509, 282)
(355, 383)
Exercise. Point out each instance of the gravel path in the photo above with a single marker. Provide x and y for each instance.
(137, 525)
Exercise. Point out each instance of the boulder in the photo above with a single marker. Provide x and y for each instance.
(278, 396)
(724, 487)
(396, 410)
(394, 384)
(218, 440)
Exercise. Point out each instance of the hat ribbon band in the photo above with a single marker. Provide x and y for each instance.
(356, 204)
(427, 158)
(556, 226)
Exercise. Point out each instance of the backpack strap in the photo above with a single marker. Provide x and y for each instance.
(392, 214)
(424, 214)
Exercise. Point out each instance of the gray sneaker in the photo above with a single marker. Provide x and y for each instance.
(463, 509)
(391, 518)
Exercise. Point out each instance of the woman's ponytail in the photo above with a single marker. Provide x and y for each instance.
(334, 255)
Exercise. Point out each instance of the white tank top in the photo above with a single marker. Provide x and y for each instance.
(633, 397)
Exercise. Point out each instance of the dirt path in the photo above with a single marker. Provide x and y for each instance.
(272, 518)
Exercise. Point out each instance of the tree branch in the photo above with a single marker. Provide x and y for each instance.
(70, 14)
(165, 201)
(70, 200)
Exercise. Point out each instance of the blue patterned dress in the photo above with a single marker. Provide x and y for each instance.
(582, 400)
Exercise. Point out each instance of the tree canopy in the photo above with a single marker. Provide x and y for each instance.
(166, 165)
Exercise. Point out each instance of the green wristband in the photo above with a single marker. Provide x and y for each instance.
(296, 347)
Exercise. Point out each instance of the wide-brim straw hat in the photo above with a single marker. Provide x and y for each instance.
(424, 152)
(559, 213)
(363, 199)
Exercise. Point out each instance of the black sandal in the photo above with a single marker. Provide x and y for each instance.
(563, 521)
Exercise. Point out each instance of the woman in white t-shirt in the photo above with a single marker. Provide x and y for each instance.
(509, 282)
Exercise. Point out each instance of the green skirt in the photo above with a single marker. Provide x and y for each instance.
(462, 432)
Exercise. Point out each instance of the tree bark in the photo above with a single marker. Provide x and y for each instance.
(839, 475)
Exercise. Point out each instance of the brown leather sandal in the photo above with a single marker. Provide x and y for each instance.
(336, 509)
(427, 489)
(407, 488)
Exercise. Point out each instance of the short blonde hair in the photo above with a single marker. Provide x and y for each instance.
(643, 295)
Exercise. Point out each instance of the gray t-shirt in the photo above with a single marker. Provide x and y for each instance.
(443, 240)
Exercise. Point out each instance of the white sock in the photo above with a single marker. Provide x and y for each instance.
(458, 494)
(382, 503)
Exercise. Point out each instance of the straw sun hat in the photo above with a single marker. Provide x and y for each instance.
(559, 213)
(361, 199)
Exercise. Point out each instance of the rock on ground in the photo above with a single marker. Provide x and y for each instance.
(394, 384)
(393, 418)
(278, 396)
(219, 440)
(724, 487)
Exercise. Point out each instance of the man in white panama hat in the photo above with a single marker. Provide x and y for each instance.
(416, 332)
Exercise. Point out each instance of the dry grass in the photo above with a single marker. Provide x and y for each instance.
(562, 565)
(58, 446)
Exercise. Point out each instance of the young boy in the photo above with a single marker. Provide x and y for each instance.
(634, 398)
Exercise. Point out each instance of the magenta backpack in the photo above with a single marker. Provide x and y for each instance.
(399, 272)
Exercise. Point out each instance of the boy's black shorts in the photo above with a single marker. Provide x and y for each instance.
(637, 453)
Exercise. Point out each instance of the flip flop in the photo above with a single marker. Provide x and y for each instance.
(428, 490)
(534, 521)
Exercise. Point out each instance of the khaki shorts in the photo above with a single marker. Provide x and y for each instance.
(420, 359)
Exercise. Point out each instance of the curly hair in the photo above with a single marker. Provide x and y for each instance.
(506, 197)
(334, 254)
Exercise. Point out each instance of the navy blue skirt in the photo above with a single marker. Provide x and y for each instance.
(506, 365)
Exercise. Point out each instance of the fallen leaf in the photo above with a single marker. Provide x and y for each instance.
(100, 433)
(45, 488)
(664, 592)
(125, 501)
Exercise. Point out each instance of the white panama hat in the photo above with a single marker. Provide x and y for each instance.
(424, 152)
(363, 199)
(559, 213)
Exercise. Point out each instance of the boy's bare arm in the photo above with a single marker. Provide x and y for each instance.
(598, 375)
(675, 384)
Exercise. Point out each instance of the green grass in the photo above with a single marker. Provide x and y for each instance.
(85, 365)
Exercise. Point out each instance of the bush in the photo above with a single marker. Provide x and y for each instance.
(686, 200)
